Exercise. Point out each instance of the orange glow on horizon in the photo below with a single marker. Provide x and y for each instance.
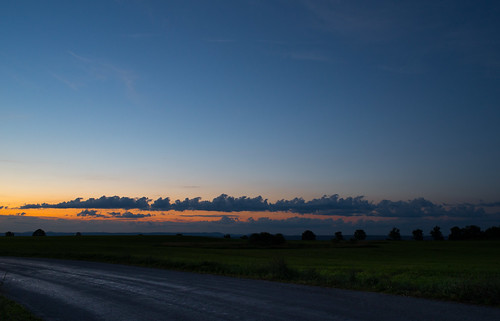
(172, 216)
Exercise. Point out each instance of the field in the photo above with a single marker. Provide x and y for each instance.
(463, 271)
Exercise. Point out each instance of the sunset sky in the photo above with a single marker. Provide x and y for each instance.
(372, 114)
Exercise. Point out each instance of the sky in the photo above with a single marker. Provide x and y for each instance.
(325, 115)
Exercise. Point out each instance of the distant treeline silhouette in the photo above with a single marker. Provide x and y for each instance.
(470, 232)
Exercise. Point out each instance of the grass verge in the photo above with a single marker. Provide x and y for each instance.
(11, 311)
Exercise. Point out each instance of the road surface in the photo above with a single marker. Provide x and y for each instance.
(76, 290)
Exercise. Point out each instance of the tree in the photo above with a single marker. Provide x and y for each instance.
(78, 234)
(266, 239)
(359, 235)
(436, 234)
(472, 232)
(279, 239)
(338, 236)
(418, 235)
(39, 232)
(394, 234)
(492, 233)
(9, 233)
(308, 236)
(456, 234)
(227, 236)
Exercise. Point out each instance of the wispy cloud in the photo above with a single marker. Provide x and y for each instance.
(101, 71)
(80, 58)
(220, 40)
(140, 35)
(71, 84)
(308, 56)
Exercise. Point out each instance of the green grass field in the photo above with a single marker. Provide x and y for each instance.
(463, 271)
(11, 311)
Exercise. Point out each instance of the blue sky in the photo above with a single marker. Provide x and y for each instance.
(387, 99)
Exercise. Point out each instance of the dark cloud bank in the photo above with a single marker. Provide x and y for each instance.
(339, 214)
(327, 205)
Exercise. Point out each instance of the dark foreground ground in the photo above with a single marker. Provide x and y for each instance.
(75, 290)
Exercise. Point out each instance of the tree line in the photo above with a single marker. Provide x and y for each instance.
(470, 232)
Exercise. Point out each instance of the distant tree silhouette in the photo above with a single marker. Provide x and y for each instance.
(279, 239)
(456, 234)
(227, 236)
(492, 233)
(266, 239)
(78, 234)
(9, 234)
(39, 232)
(338, 236)
(470, 232)
(244, 237)
(418, 235)
(394, 234)
(359, 235)
(436, 234)
(308, 236)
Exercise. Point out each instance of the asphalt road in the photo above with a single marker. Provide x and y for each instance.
(75, 290)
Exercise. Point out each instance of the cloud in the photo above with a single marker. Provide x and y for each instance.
(1, 207)
(309, 56)
(80, 58)
(332, 205)
(21, 214)
(103, 202)
(492, 204)
(128, 215)
(209, 215)
(99, 70)
(326, 205)
(139, 35)
(222, 203)
(71, 84)
(421, 207)
(91, 213)
(226, 219)
(220, 40)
